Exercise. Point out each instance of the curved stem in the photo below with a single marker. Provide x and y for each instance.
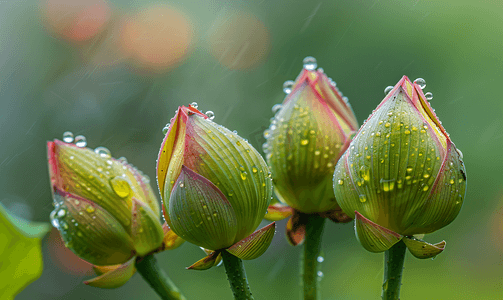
(312, 247)
(157, 279)
(237, 276)
(393, 268)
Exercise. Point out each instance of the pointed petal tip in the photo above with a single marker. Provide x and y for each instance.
(278, 211)
(421, 249)
(116, 277)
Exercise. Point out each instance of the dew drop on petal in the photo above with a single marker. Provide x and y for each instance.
(310, 63)
(388, 89)
(194, 104)
(103, 152)
(68, 137)
(276, 108)
(54, 220)
(90, 209)
(460, 153)
(421, 82)
(363, 198)
(120, 186)
(80, 141)
(165, 129)
(287, 86)
(210, 114)
(428, 96)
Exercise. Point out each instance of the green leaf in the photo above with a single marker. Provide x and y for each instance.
(255, 244)
(374, 237)
(21, 253)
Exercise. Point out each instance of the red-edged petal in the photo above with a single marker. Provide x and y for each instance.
(296, 228)
(374, 237)
(255, 244)
(113, 276)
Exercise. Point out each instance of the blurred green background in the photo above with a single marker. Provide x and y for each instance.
(116, 71)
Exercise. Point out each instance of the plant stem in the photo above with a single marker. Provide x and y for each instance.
(312, 247)
(237, 276)
(157, 279)
(393, 268)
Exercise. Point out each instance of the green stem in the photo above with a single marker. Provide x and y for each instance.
(312, 247)
(237, 276)
(393, 268)
(157, 278)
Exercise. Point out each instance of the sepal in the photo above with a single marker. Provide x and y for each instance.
(255, 244)
(374, 237)
(278, 211)
(212, 259)
(422, 249)
(112, 277)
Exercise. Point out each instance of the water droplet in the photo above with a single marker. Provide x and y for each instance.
(210, 114)
(243, 175)
(120, 186)
(165, 129)
(388, 89)
(61, 213)
(103, 152)
(409, 170)
(451, 181)
(267, 133)
(428, 96)
(304, 142)
(320, 259)
(90, 209)
(363, 198)
(194, 104)
(387, 185)
(68, 137)
(426, 176)
(54, 220)
(425, 188)
(421, 82)
(181, 184)
(320, 274)
(460, 153)
(287, 86)
(254, 170)
(310, 63)
(407, 131)
(340, 182)
(80, 141)
(231, 193)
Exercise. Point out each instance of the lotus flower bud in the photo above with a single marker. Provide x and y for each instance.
(105, 210)
(215, 187)
(401, 175)
(308, 134)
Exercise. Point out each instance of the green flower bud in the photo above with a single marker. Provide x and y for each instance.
(215, 186)
(105, 208)
(402, 174)
(305, 140)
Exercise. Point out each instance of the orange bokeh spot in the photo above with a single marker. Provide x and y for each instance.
(76, 20)
(157, 37)
(239, 41)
